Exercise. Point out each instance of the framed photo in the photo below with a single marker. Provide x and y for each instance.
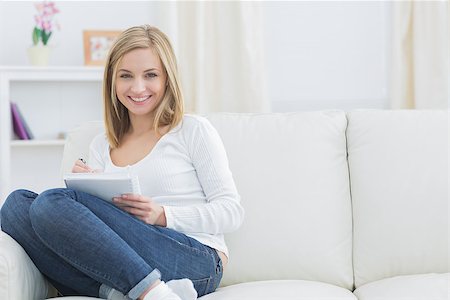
(96, 45)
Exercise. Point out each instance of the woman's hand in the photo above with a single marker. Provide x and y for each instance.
(143, 208)
(81, 167)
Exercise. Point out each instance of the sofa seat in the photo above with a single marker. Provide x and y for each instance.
(273, 290)
(281, 289)
(76, 298)
(410, 287)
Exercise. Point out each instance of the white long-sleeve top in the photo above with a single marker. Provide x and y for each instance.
(187, 173)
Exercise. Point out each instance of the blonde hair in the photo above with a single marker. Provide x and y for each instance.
(171, 108)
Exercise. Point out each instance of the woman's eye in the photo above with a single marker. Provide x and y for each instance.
(125, 76)
(151, 75)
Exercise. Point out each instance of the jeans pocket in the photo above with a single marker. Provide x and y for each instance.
(202, 286)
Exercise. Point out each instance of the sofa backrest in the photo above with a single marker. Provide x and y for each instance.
(399, 165)
(292, 174)
(77, 143)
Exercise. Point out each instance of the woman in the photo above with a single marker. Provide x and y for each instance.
(171, 233)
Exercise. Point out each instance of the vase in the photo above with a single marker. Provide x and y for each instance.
(39, 55)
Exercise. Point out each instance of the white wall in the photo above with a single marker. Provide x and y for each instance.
(320, 55)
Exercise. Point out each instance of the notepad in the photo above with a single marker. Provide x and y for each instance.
(103, 185)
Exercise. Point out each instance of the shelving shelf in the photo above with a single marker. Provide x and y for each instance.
(69, 73)
(35, 143)
(20, 76)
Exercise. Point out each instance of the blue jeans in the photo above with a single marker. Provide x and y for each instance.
(86, 246)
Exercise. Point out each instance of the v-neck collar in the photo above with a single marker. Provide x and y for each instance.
(149, 154)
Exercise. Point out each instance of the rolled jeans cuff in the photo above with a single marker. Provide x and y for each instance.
(139, 288)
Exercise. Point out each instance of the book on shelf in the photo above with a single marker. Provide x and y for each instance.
(25, 124)
(18, 123)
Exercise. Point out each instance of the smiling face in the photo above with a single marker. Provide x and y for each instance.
(140, 82)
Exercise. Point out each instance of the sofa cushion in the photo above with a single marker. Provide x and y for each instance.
(19, 277)
(399, 165)
(291, 172)
(281, 289)
(411, 287)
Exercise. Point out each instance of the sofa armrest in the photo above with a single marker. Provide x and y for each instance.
(19, 277)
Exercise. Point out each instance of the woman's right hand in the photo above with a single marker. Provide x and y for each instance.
(81, 167)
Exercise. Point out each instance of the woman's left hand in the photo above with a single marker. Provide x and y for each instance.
(143, 208)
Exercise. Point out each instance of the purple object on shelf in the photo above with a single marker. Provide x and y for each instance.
(25, 125)
(19, 128)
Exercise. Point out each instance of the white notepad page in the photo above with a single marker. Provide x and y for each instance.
(103, 185)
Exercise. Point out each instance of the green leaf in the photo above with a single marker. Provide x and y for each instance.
(45, 37)
(36, 35)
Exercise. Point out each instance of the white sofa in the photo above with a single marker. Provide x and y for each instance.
(338, 206)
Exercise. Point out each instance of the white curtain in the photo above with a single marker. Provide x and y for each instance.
(219, 47)
(420, 57)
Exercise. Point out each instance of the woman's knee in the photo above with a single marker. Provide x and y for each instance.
(16, 207)
(46, 203)
(17, 203)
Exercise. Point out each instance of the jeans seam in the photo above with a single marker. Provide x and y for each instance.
(142, 285)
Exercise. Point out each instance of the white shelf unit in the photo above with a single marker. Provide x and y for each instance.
(36, 143)
(52, 100)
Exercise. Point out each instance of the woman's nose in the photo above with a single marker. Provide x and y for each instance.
(138, 86)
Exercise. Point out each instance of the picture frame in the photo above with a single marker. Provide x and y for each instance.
(97, 44)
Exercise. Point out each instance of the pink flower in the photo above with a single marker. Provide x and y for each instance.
(47, 26)
(46, 10)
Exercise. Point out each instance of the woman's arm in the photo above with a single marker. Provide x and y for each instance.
(223, 212)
